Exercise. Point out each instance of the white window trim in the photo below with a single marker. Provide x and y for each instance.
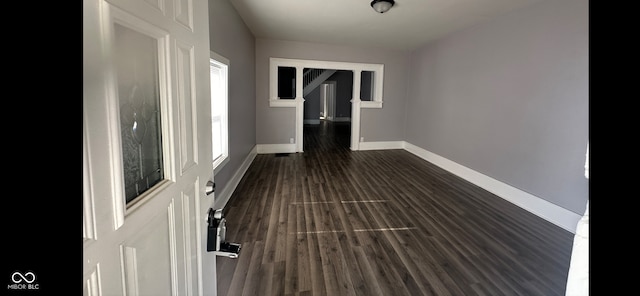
(298, 102)
(221, 161)
(274, 63)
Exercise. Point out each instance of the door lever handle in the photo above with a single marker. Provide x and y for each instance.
(216, 232)
(210, 188)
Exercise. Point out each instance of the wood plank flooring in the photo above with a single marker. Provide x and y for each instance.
(331, 221)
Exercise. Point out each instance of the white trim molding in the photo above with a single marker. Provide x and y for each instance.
(223, 197)
(371, 104)
(282, 103)
(536, 205)
(300, 64)
(382, 145)
(276, 148)
(298, 103)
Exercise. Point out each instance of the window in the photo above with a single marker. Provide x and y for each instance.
(219, 72)
(367, 86)
(287, 83)
(286, 75)
(140, 120)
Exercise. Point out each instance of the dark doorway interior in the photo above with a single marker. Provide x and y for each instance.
(327, 136)
(324, 128)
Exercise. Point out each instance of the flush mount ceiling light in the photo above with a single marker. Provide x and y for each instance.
(382, 6)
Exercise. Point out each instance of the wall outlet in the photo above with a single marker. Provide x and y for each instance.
(290, 140)
(361, 139)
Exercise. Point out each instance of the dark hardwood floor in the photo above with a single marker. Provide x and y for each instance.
(331, 221)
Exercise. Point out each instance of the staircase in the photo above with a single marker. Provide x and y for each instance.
(314, 77)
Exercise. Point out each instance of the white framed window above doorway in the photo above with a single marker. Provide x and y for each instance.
(219, 76)
(374, 76)
(289, 92)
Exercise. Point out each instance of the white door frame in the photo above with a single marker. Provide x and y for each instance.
(298, 102)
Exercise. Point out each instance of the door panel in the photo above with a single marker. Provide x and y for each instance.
(183, 212)
(146, 260)
(151, 245)
(91, 285)
(187, 105)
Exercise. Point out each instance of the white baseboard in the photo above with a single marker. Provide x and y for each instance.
(382, 145)
(311, 121)
(223, 197)
(276, 148)
(538, 206)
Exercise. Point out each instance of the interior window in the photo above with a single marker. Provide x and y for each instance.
(287, 83)
(366, 86)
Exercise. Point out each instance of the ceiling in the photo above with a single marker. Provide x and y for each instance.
(408, 25)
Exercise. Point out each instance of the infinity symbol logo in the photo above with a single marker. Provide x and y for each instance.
(28, 277)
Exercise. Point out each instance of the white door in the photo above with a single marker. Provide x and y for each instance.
(146, 148)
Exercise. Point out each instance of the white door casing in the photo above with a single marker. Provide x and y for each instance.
(158, 245)
(298, 102)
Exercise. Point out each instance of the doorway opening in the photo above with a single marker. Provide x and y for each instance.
(327, 109)
(291, 75)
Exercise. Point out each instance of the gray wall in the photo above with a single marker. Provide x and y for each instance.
(277, 125)
(231, 38)
(509, 98)
(312, 104)
(344, 92)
